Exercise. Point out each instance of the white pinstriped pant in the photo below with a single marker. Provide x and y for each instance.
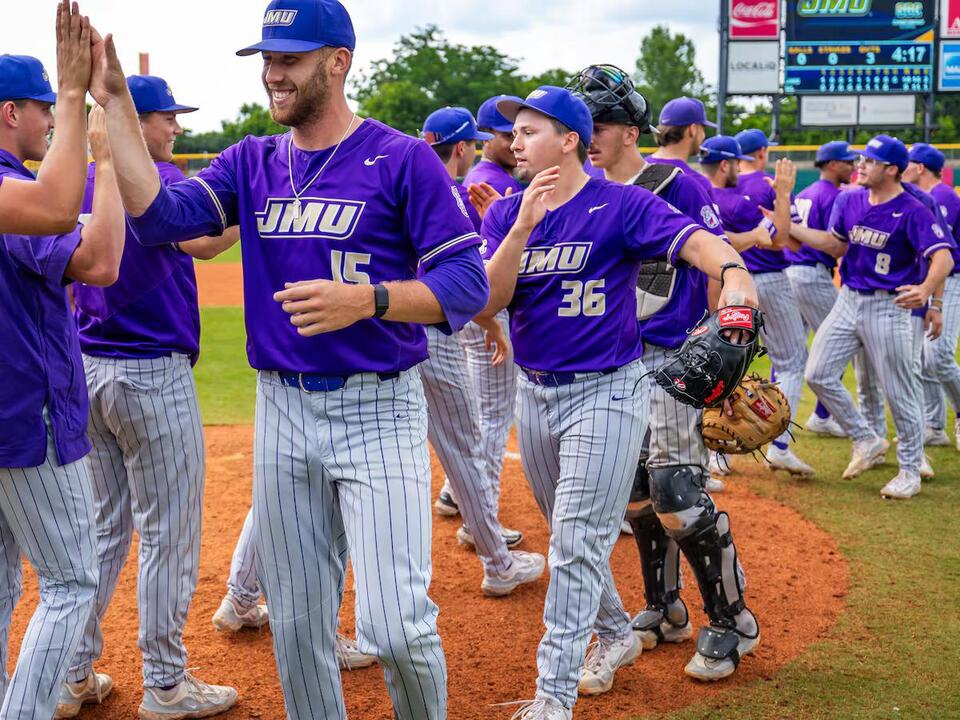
(496, 391)
(816, 294)
(336, 470)
(940, 371)
(579, 445)
(147, 467)
(892, 341)
(454, 431)
(46, 514)
(784, 335)
(676, 437)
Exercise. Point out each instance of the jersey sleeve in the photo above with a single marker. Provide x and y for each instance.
(926, 232)
(435, 220)
(45, 256)
(205, 204)
(696, 203)
(652, 227)
(494, 229)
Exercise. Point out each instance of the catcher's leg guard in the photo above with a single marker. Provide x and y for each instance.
(703, 534)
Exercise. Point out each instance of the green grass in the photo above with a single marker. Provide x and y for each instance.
(895, 652)
(225, 382)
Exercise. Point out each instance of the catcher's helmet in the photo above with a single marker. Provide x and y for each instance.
(611, 96)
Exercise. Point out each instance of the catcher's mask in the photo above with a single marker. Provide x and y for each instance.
(611, 96)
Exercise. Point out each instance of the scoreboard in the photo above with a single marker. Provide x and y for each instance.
(859, 46)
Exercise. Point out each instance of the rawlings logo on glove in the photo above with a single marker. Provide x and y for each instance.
(761, 414)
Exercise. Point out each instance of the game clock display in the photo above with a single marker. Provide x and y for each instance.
(859, 46)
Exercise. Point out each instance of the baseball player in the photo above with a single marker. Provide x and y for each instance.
(811, 271)
(681, 129)
(739, 198)
(940, 371)
(895, 254)
(352, 237)
(46, 503)
(241, 607)
(676, 450)
(50, 202)
(452, 411)
(140, 338)
(563, 257)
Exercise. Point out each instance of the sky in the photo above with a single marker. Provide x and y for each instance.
(192, 42)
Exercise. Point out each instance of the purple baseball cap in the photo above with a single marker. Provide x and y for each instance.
(684, 111)
(721, 147)
(928, 156)
(752, 140)
(489, 117)
(23, 78)
(886, 149)
(835, 150)
(152, 94)
(300, 26)
(557, 103)
(451, 124)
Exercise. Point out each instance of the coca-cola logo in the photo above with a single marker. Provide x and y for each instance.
(754, 11)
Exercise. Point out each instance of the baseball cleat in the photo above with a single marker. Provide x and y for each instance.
(709, 669)
(719, 465)
(525, 568)
(73, 696)
(926, 468)
(714, 485)
(543, 708)
(865, 455)
(779, 459)
(604, 658)
(935, 436)
(446, 503)
(349, 656)
(825, 426)
(903, 487)
(192, 698)
(668, 633)
(511, 538)
(231, 616)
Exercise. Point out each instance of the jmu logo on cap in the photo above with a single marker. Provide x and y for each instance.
(536, 94)
(874, 143)
(561, 259)
(318, 218)
(46, 78)
(279, 18)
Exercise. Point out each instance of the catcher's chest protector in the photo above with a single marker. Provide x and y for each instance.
(658, 277)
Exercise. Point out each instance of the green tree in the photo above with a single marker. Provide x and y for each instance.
(427, 71)
(667, 68)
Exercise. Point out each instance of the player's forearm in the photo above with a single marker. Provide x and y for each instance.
(819, 240)
(137, 175)
(207, 248)
(96, 261)
(503, 268)
(709, 253)
(941, 263)
(746, 240)
(51, 205)
(781, 219)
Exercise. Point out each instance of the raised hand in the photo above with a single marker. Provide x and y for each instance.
(73, 50)
(97, 134)
(107, 81)
(785, 176)
(483, 195)
(533, 205)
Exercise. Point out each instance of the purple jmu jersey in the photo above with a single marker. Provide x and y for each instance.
(668, 326)
(383, 209)
(757, 191)
(575, 306)
(39, 350)
(471, 210)
(888, 243)
(814, 205)
(151, 311)
(949, 203)
(699, 177)
(494, 175)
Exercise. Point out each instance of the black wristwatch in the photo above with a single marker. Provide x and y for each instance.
(728, 266)
(381, 300)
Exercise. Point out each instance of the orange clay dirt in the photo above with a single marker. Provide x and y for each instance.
(796, 582)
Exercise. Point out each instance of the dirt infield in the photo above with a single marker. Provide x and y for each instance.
(219, 284)
(796, 577)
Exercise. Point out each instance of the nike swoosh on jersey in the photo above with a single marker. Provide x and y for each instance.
(597, 207)
(369, 162)
(899, 214)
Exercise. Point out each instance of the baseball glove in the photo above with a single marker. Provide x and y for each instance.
(761, 414)
(710, 364)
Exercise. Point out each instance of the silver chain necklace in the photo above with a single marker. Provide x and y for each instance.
(293, 188)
